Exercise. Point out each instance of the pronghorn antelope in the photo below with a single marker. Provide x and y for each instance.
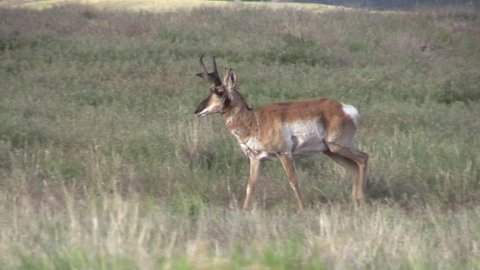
(286, 130)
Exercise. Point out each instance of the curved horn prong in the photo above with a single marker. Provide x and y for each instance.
(205, 72)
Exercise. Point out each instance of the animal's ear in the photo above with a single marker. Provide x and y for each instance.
(229, 79)
(200, 75)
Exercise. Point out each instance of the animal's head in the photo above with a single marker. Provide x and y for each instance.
(221, 91)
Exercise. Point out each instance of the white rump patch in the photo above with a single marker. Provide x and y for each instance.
(352, 112)
(305, 137)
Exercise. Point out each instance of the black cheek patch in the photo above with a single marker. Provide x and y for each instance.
(226, 103)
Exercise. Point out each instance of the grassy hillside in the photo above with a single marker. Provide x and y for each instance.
(103, 164)
(161, 5)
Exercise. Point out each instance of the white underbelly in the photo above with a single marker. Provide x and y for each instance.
(252, 148)
(305, 137)
(300, 138)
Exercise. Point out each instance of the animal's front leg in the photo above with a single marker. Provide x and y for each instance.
(289, 167)
(255, 167)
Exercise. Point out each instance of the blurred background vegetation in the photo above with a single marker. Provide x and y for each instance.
(84, 89)
(97, 106)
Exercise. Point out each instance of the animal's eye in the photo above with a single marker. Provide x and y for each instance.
(219, 91)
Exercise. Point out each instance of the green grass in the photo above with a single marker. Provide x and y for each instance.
(103, 164)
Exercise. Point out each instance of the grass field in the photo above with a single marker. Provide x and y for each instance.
(104, 166)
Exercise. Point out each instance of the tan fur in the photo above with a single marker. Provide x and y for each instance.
(277, 130)
(271, 117)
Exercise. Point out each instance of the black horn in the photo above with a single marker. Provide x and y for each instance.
(211, 77)
(205, 72)
(215, 66)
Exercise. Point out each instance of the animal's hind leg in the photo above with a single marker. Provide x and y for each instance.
(361, 160)
(350, 166)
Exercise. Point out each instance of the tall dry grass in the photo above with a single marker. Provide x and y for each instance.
(131, 233)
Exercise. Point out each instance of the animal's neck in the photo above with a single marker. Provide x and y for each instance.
(240, 120)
